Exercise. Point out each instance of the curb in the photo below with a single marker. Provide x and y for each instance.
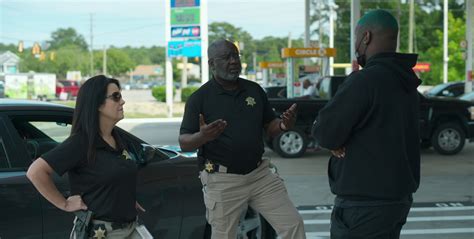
(152, 120)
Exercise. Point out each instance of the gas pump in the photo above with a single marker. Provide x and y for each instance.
(291, 53)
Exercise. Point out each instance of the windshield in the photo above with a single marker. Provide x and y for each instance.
(436, 90)
(468, 96)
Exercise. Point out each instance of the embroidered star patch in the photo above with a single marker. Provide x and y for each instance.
(99, 233)
(209, 167)
(250, 101)
(126, 155)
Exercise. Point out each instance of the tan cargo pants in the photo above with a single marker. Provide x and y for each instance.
(227, 195)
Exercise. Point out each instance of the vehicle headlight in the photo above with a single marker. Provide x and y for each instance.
(471, 109)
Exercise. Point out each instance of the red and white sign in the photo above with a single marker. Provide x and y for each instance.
(422, 67)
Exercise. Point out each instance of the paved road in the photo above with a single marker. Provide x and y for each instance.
(443, 205)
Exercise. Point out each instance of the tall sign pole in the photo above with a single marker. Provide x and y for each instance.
(355, 15)
(445, 41)
(470, 44)
(169, 65)
(204, 42)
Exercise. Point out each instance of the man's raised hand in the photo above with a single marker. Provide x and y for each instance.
(213, 130)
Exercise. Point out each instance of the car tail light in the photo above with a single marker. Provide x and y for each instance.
(471, 109)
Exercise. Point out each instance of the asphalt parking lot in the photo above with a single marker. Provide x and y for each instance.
(443, 206)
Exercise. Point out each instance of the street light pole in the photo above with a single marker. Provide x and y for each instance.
(445, 41)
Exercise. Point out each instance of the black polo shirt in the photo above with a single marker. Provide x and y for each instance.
(246, 111)
(107, 185)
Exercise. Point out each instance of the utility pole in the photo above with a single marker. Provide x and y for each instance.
(289, 40)
(411, 26)
(91, 46)
(184, 74)
(307, 7)
(445, 41)
(104, 62)
(331, 37)
(254, 56)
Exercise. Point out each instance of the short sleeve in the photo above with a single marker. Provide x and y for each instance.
(66, 155)
(190, 123)
(268, 113)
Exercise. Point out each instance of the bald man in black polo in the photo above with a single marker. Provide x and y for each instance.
(371, 127)
(224, 120)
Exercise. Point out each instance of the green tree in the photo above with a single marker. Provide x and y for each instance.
(67, 37)
(434, 55)
(118, 62)
(8, 47)
(218, 30)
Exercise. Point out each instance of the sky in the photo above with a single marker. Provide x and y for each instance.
(139, 22)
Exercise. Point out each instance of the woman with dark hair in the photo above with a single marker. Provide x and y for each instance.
(101, 177)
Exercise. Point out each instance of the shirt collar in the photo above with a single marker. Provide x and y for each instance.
(101, 144)
(221, 90)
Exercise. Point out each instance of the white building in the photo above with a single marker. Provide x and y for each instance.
(9, 63)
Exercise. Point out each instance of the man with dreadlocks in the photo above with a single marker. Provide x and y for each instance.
(371, 127)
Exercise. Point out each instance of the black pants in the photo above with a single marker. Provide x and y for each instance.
(369, 222)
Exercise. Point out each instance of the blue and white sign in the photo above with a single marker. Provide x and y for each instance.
(185, 3)
(188, 31)
(190, 48)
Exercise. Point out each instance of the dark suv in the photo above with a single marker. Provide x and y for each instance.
(168, 185)
(450, 89)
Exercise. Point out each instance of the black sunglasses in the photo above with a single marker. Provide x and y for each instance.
(228, 57)
(116, 96)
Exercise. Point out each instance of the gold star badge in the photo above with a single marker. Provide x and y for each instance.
(250, 101)
(126, 155)
(209, 167)
(99, 233)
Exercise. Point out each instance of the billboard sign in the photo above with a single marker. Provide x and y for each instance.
(189, 31)
(190, 48)
(185, 16)
(185, 3)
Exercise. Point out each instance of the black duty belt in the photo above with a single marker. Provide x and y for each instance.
(212, 167)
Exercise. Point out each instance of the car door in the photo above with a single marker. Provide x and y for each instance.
(20, 203)
(40, 132)
(158, 190)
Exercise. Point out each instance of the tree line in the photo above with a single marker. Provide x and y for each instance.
(67, 49)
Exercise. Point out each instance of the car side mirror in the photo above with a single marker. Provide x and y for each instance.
(151, 154)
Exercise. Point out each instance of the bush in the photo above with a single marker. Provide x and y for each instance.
(159, 92)
(187, 92)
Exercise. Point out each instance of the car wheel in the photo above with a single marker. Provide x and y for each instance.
(290, 144)
(448, 139)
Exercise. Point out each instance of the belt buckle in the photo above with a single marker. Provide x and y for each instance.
(209, 167)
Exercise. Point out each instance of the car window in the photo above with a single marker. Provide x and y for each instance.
(40, 136)
(436, 90)
(55, 130)
(4, 162)
(457, 90)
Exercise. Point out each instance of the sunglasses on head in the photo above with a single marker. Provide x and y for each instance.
(116, 96)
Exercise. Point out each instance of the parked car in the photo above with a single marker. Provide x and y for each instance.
(2, 89)
(67, 89)
(467, 96)
(168, 185)
(450, 89)
(445, 123)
